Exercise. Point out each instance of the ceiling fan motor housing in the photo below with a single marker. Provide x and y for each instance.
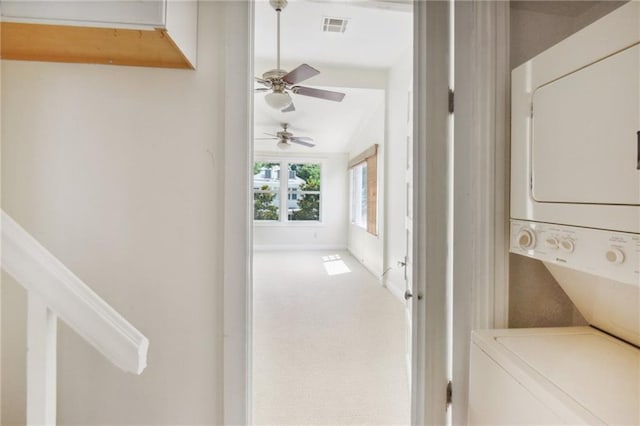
(278, 4)
(274, 75)
(284, 135)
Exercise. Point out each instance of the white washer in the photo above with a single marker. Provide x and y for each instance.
(554, 376)
(575, 205)
(570, 375)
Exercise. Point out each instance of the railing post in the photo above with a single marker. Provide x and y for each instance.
(42, 331)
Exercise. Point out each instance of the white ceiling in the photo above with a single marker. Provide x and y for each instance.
(330, 124)
(375, 39)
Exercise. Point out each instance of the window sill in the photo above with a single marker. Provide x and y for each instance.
(296, 224)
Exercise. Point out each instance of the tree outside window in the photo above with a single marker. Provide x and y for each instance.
(266, 189)
(307, 193)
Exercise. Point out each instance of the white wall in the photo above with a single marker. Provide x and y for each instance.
(365, 247)
(331, 233)
(118, 172)
(398, 98)
(14, 340)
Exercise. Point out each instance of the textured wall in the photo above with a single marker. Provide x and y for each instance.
(535, 299)
(538, 25)
(118, 171)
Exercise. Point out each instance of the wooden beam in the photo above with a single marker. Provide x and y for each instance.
(369, 152)
(90, 45)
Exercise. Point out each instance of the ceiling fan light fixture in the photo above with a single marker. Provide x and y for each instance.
(278, 100)
(283, 144)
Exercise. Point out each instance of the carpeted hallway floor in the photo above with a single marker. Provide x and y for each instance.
(328, 343)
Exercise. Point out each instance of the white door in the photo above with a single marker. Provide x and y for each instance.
(408, 228)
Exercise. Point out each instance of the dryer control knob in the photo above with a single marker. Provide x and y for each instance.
(552, 243)
(615, 255)
(526, 239)
(567, 245)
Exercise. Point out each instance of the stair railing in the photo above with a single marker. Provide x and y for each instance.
(56, 292)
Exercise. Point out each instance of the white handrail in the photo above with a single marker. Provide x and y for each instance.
(36, 269)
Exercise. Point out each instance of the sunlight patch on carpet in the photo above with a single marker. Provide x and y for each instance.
(334, 265)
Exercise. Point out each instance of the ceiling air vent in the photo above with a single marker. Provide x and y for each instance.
(334, 25)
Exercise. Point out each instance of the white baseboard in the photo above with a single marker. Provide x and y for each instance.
(297, 247)
(398, 292)
(377, 274)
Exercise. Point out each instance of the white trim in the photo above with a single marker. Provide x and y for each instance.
(376, 274)
(292, 223)
(297, 247)
(397, 291)
(42, 332)
(430, 204)
(238, 196)
(501, 187)
(481, 181)
(37, 270)
(431, 212)
(490, 104)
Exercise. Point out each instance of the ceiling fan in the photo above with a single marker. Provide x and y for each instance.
(280, 82)
(286, 138)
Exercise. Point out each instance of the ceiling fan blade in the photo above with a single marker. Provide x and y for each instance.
(265, 139)
(263, 81)
(261, 89)
(301, 73)
(318, 93)
(290, 108)
(270, 134)
(303, 141)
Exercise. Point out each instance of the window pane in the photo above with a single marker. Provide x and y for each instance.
(359, 195)
(304, 192)
(363, 200)
(266, 189)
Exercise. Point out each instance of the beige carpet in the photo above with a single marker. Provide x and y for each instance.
(328, 344)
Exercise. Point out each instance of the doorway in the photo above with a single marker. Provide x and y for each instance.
(329, 176)
(427, 403)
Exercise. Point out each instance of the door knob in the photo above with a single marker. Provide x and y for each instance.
(407, 295)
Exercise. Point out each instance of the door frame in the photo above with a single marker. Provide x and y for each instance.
(431, 195)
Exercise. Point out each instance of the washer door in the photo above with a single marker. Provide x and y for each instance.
(585, 134)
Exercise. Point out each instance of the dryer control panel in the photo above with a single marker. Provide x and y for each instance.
(609, 254)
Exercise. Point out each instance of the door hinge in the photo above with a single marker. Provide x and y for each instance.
(449, 393)
(451, 96)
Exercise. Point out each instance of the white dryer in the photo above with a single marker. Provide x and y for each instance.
(575, 205)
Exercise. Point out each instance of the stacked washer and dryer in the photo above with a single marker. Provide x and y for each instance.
(575, 205)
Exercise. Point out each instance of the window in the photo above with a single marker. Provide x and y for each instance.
(359, 195)
(266, 191)
(364, 190)
(286, 197)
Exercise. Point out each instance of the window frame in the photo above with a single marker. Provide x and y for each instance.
(358, 182)
(283, 217)
(369, 159)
